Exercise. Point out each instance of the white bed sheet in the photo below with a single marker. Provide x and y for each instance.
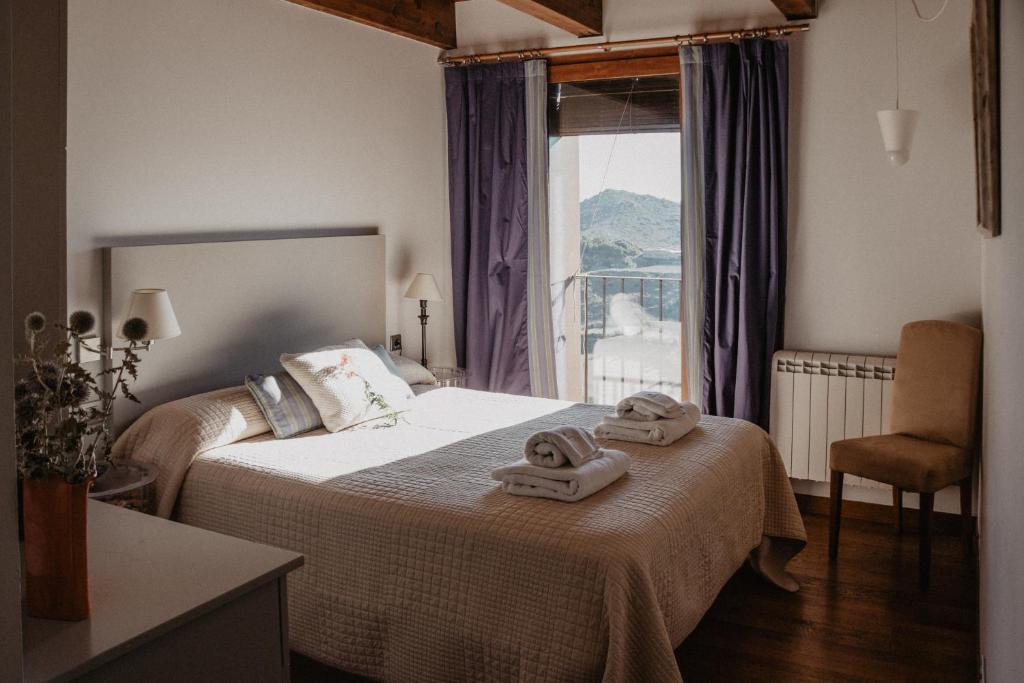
(435, 419)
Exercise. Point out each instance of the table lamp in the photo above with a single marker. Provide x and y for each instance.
(424, 288)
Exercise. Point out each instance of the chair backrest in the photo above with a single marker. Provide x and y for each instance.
(935, 391)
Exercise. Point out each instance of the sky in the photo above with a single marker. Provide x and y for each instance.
(646, 163)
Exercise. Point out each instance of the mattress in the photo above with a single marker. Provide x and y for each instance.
(418, 568)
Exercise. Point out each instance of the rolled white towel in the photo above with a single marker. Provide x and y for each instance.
(656, 432)
(565, 445)
(568, 484)
(647, 406)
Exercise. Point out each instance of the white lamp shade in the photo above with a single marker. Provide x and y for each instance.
(898, 133)
(154, 306)
(424, 288)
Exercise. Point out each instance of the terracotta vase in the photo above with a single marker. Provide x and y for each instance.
(56, 564)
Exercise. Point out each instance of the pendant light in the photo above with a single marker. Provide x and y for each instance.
(898, 133)
(897, 124)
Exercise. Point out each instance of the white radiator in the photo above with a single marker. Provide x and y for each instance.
(818, 398)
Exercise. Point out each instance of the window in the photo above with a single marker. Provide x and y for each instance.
(615, 225)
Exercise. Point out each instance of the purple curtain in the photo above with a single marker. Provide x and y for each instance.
(487, 179)
(745, 109)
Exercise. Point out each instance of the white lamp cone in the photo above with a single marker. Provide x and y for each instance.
(424, 287)
(898, 133)
(153, 306)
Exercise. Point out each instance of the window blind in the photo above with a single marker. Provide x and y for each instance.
(627, 105)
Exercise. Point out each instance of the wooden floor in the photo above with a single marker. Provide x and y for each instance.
(862, 619)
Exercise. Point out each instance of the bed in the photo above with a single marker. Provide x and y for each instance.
(419, 568)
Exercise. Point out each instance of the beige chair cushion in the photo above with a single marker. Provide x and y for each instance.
(904, 461)
(935, 392)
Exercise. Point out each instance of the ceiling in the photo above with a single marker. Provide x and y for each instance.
(490, 26)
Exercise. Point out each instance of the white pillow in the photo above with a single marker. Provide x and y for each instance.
(412, 372)
(342, 382)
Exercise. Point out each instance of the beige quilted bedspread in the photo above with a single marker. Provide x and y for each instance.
(421, 569)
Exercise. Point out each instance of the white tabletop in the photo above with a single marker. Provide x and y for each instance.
(147, 576)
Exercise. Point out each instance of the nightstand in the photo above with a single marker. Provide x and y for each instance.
(169, 603)
(449, 377)
(128, 485)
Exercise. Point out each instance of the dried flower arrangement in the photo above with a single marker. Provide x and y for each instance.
(61, 411)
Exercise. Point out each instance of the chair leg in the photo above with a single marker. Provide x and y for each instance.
(897, 502)
(924, 559)
(966, 516)
(836, 513)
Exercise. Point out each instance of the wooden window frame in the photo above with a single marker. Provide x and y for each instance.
(626, 64)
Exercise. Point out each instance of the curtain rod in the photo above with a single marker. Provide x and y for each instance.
(641, 44)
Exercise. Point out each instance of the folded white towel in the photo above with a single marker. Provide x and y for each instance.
(656, 432)
(686, 411)
(568, 484)
(565, 445)
(647, 406)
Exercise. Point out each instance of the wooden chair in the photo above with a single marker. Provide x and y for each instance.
(934, 405)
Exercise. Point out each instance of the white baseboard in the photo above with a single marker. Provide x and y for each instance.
(946, 500)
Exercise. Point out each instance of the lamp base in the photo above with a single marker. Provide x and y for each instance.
(423, 332)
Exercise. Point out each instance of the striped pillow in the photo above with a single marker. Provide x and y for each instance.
(284, 404)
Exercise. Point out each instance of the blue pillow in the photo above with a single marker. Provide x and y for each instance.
(288, 409)
(388, 361)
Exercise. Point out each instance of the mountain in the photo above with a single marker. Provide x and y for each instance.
(646, 221)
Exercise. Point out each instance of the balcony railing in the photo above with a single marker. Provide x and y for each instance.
(630, 337)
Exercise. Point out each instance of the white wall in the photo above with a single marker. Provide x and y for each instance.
(871, 246)
(172, 133)
(874, 246)
(1002, 506)
(196, 119)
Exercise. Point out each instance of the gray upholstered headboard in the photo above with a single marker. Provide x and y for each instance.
(241, 304)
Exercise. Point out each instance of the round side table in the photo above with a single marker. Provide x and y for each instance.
(127, 485)
(449, 377)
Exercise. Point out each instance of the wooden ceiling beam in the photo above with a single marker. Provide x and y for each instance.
(580, 17)
(798, 9)
(428, 21)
